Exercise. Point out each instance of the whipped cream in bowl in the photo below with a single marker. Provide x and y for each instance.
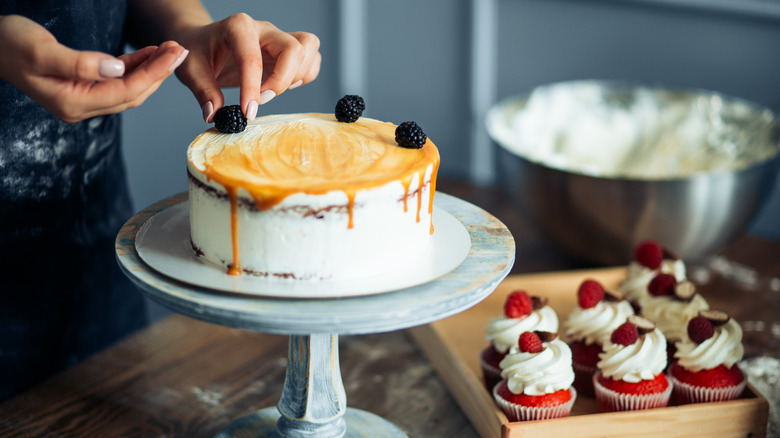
(600, 165)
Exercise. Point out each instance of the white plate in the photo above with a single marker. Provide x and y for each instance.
(163, 242)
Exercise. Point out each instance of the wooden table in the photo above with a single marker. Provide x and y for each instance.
(185, 378)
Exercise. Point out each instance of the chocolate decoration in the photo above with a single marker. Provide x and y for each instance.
(539, 302)
(669, 254)
(684, 291)
(643, 325)
(716, 317)
(546, 336)
(613, 295)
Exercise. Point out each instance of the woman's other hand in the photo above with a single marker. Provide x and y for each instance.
(76, 85)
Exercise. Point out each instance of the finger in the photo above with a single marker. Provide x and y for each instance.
(198, 76)
(133, 59)
(242, 38)
(310, 65)
(289, 54)
(131, 90)
(65, 62)
(314, 69)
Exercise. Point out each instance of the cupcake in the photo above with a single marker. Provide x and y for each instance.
(631, 369)
(650, 259)
(706, 367)
(670, 305)
(537, 379)
(522, 313)
(597, 315)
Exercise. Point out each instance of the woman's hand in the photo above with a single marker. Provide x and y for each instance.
(76, 85)
(254, 55)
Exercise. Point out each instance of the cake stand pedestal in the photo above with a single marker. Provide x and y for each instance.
(313, 401)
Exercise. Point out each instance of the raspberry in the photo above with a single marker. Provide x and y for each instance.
(662, 285)
(649, 253)
(518, 305)
(590, 294)
(529, 342)
(700, 329)
(625, 334)
(349, 108)
(410, 135)
(230, 119)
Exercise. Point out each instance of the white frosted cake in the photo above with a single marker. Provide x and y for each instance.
(306, 197)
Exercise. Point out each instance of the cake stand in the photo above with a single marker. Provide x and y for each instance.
(313, 400)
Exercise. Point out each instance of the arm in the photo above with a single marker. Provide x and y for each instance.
(237, 51)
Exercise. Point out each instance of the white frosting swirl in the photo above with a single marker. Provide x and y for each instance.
(504, 332)
(597, 323)
(642, 360)
(723, 348)
(634, 286)
(539, 373)
(672, 315)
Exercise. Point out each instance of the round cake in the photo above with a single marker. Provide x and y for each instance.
(307, 197)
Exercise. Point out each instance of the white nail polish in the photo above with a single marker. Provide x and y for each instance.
(111, 68)
(295, 84)
(179, 60)
(251, 110)
(266, 96)
(208, 110)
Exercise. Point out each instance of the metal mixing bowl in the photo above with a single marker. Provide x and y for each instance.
(599, 166)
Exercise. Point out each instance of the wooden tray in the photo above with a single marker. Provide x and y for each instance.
(453, 346)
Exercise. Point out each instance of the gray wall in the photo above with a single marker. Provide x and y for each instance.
(412, 60)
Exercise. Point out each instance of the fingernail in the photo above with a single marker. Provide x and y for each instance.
(208, 110)
(179, 60)
(111, 68)
(266, 96)
(251, 110)
(295, 85)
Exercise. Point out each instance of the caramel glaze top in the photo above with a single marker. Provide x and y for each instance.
(280, 155)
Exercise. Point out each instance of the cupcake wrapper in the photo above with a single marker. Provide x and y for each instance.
(685, 393)
(583, 378)
(608, 400)
(491, 374)
(515, 412)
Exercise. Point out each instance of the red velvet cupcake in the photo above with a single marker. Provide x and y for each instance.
(631, 369)
(538, 379)
(706, 367)
(597, 314)
(522, 312)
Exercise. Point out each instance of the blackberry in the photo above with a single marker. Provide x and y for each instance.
(410, 135)
(230, 119)
(349, 108)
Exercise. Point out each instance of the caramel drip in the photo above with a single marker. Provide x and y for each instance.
(419, 195)
(351, 208)
(235, 268)
(432, 191)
